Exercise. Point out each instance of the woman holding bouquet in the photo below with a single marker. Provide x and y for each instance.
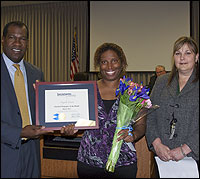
(96, 144)
(173, 130)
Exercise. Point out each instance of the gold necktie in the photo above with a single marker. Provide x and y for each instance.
(21, 95)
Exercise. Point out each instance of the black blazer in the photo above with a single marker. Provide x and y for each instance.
(151, 83)
(11, 122)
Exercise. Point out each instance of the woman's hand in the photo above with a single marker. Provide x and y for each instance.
(180, 152)
(176, 154)
(68, 130)
(162, 151)
(125, 135)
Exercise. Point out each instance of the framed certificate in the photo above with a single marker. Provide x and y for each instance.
(61, 103)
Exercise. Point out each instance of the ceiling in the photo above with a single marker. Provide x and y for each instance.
(17, 3)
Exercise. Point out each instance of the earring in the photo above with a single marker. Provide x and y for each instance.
(123, 72)
(99, 75)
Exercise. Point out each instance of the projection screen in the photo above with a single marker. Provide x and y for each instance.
(146, 30)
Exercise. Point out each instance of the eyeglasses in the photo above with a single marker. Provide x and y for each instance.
(172, 126)
(159, 72)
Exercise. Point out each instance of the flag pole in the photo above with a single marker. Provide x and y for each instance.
(75, 59)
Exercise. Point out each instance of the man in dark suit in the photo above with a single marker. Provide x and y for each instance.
(159, 70)
(20, 154)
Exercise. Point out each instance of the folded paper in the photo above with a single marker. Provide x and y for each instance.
(83, 122)
(185, 168)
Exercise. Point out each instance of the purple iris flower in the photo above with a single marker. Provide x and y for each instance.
(147, 90)
(128, 79)
(143, 94)
(122, 88)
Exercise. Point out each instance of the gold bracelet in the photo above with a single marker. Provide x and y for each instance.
(183, 152)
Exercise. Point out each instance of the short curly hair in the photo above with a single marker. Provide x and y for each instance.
(15, 23)
(110, 46)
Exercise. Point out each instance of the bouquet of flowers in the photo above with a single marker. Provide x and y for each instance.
(133, 97)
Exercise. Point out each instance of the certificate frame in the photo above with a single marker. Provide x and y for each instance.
(42, 88)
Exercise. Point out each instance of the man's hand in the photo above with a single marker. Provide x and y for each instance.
(34, 84)
(34, 131)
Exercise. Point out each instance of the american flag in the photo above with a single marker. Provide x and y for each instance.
(74, 62)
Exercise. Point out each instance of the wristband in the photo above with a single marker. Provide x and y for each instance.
(183, 152)
(129, 129)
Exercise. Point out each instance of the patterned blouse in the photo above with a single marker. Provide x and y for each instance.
(96, 144)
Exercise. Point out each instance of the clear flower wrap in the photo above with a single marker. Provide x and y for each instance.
(133, 97)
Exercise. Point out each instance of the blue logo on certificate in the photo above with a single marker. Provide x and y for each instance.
(60, 116)
(56, 116)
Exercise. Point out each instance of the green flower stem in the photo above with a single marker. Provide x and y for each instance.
(114, 154)
(124, 116)
(127, 111)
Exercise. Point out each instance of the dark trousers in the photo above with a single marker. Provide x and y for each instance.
(28, 164)
(87, 171)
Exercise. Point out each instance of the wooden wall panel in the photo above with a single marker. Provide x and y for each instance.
(138, 77)
(145, 160)
(59, 168)
(52, 168)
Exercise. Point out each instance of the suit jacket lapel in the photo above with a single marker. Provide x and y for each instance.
(189, 85)
(7, 83)
(173, 88)
(31, 92)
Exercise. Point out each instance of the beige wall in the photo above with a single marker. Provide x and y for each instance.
(146, 30)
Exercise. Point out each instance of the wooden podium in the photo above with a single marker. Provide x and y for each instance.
(53, 168)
